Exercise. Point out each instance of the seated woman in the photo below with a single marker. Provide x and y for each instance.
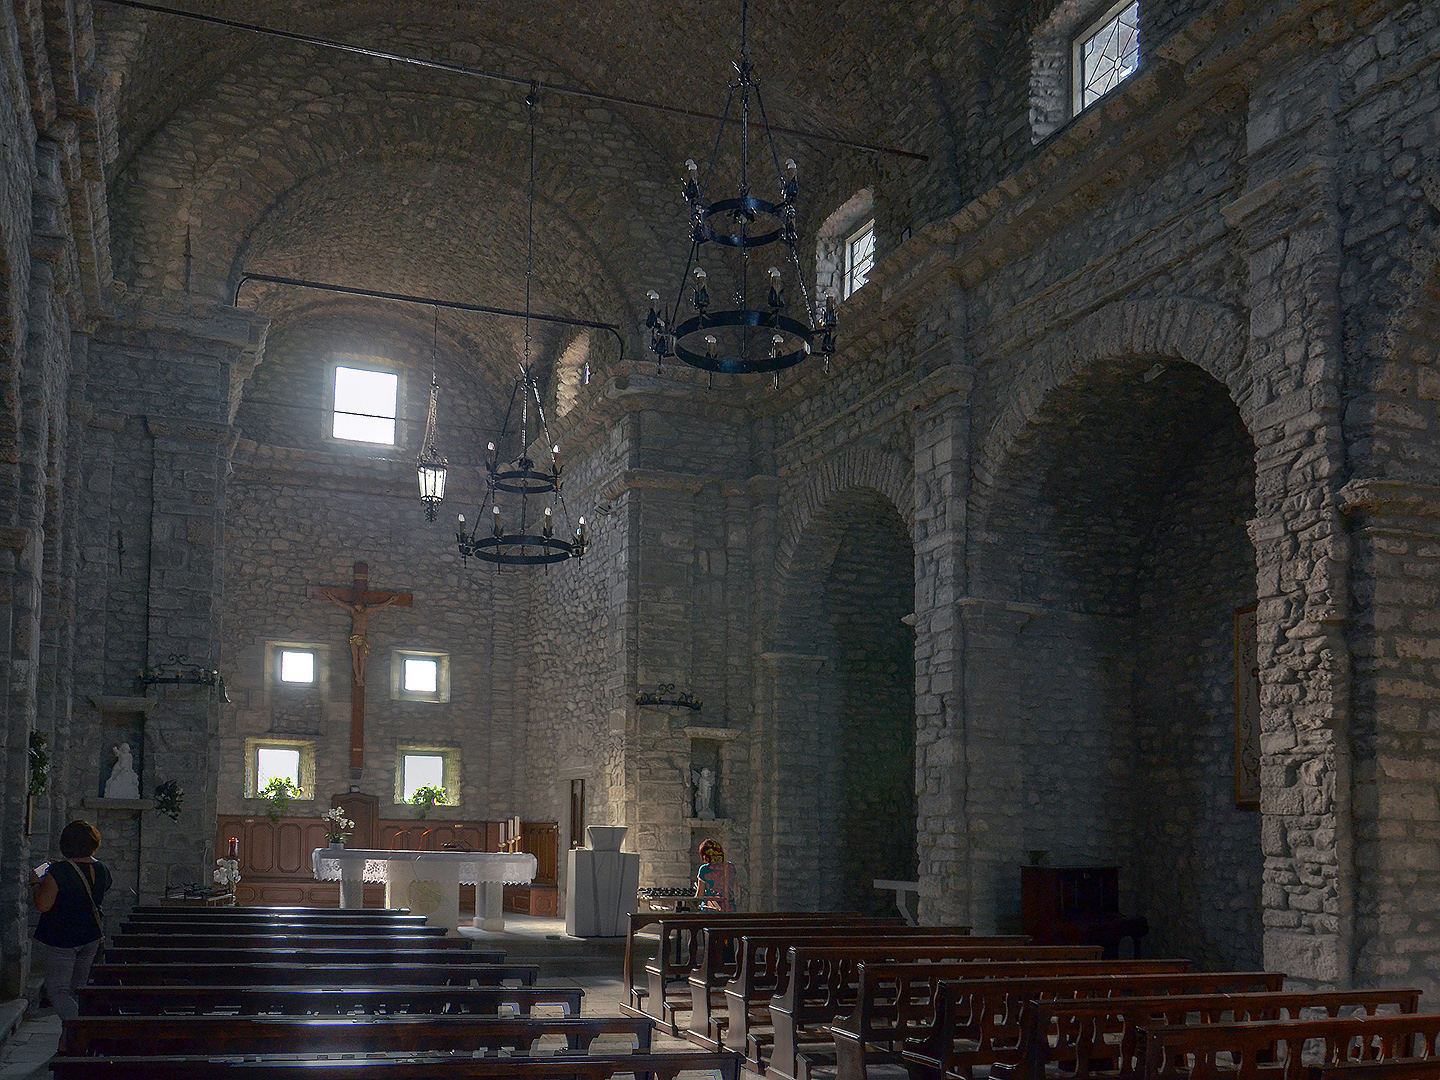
(715, 880)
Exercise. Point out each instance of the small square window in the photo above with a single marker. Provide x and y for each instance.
(422, 675)
(421, 766)
(365, 405)
(273, 762)
(1106, 53)
(297, 667)
(420, 770)
(859, 257)
(419, 676)
(288, 759)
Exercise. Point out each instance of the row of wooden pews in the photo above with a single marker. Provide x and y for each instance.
(292, 992)
(807, 995)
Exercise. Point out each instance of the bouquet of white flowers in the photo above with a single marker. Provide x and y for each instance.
(227, 873)
(337, 825)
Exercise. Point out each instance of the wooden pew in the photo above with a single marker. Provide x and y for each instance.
(678, 952)
(1100, 1037)
(388, 916)
(896, 1000)
(292, 974)
(322, 1000)
(1408, 1043)
(350, 942)
(260, 928)
(303, 954)
(661, 1066)
(170, 1036)
(1409, 1069)
(765, 972)
(977, 1020)
(824, 984)
(727, 951)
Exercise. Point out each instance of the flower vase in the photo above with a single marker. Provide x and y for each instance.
(337, 844)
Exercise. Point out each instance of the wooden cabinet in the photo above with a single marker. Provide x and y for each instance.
(1076, 905)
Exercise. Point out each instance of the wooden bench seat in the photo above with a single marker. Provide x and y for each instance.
(435, 1066)
(1408, 1069)
(316, 974)
(824, 984)
(1100, 1037)
(399, 943)
(259, 928)
(977, 1021)
(182, 1035)
(302, 954)
(1272, 1049)
(160, 911)
(322, 1000)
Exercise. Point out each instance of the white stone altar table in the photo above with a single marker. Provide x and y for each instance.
(427, 882)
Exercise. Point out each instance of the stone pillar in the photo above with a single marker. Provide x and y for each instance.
(941, 428)
(186, 565)
(1288, 225)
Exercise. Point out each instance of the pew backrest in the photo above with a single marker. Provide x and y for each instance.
(321, 1000)
(1273, 1049)
(1090, 1034)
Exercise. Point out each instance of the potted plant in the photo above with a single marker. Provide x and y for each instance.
(426, 796)
(337, 826)
(279, 791)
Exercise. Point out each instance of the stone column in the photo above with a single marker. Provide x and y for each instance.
(1288, 225)
(186, 566)
(941, 427)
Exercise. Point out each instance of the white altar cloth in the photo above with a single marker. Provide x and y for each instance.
(427, 882)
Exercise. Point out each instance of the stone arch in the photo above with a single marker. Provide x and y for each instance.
(837, 694)
(1210, 336)
(1099, 676)
(854, 467)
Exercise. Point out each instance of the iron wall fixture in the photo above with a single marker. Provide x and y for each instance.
(178, 669)
(751, 336)
(664, 695)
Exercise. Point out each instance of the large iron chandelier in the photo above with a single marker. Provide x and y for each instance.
(523, 535)
(751, 336)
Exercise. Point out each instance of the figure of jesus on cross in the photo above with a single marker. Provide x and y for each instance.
(360, 601)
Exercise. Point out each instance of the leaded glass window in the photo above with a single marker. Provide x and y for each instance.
(859, 257)
(1106, 54)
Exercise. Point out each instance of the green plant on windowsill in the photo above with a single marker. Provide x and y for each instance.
(427, 796)
(280, 790)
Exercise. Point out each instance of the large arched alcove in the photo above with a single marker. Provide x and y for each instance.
(1109, 560)
(846, 705)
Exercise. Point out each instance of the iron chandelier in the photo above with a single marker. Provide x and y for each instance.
(749, 337)
(526, 537)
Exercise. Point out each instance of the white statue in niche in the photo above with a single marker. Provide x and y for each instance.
(705, 784)
(123, 782)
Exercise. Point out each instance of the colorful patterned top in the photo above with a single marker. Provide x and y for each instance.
(716, 886)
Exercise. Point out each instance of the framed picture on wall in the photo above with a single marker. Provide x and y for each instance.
(1247, 710)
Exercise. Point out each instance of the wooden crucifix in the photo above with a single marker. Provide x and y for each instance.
(360, 601)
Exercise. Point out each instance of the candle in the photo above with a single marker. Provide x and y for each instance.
(234, 847)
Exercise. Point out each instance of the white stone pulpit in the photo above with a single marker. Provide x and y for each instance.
(602, 884)
(428, 882)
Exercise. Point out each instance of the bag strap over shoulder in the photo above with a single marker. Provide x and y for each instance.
(89, 895)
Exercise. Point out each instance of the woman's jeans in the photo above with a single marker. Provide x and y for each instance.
(66, 970)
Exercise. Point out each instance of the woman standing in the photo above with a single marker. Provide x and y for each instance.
(68, 895)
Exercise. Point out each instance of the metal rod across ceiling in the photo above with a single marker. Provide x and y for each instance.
(495, 76)
(427, 301)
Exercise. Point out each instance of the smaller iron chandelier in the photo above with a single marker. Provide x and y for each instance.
(528, 537)
(750, 337)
